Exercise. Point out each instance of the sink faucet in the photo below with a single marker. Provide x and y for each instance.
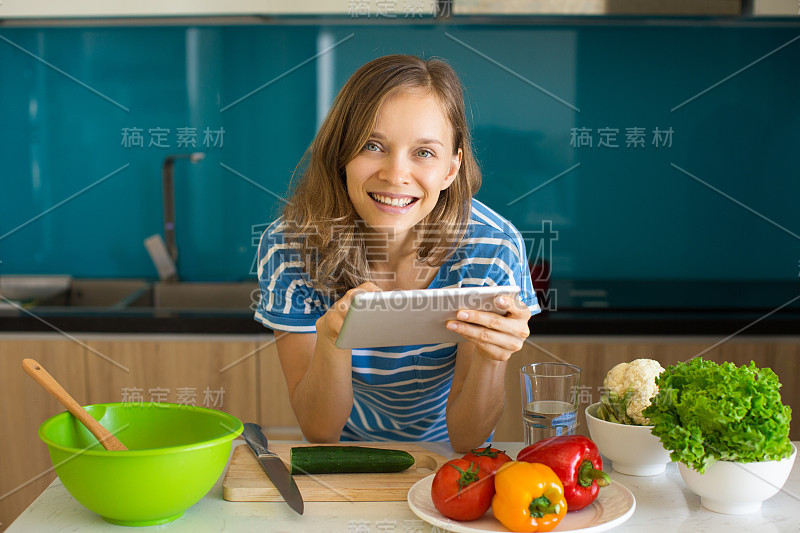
(168, 193)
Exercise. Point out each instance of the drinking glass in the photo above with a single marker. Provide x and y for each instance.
(549, 400)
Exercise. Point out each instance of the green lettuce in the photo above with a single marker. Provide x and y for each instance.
(706, 412)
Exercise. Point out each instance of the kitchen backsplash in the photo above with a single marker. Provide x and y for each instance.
(624, 151)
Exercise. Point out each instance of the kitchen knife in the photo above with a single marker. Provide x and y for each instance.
(273, 466)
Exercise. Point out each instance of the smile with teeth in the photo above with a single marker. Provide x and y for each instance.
(394, 202)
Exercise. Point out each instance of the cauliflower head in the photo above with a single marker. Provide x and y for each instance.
(636, 383)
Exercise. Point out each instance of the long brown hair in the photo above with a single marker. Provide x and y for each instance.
(320, 218)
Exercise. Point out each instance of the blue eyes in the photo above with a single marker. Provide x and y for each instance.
(372, 146)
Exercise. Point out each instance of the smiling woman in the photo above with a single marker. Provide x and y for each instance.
(385, 202)
(396, 179)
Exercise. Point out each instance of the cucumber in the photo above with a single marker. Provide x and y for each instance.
(347, 460)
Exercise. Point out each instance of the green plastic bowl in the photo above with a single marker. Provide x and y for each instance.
(175, 455)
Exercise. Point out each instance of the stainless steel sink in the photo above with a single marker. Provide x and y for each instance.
(33, 288)
(234, 296)
(102, 293)
(135, 296)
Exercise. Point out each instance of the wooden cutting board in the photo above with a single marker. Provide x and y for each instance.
(246, 481)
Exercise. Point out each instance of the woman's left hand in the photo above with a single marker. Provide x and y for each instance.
(495, 336)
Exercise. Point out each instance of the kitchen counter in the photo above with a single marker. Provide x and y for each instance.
(663, 503)
(562, 322)
(570, 308)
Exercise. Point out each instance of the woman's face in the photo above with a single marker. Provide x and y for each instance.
(395, 180)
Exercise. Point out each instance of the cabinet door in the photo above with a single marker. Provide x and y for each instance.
(14, 9)
(220, 374)
(24, 460)
(277, 417)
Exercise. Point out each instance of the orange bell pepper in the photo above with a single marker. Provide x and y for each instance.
(528, 497)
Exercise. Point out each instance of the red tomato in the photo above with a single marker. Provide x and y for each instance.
(461, 490)
(488, 458)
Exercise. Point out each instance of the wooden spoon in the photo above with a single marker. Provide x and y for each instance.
(43, 378)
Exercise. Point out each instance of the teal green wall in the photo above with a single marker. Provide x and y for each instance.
(621, 213)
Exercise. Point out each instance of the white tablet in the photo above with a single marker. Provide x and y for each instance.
(400, 318)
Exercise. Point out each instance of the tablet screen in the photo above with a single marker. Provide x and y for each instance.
(401, 318)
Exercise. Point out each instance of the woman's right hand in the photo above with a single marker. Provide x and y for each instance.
(330, 324)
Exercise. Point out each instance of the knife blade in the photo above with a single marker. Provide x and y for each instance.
(274, 467)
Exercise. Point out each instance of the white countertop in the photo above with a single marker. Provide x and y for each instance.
(663, 503)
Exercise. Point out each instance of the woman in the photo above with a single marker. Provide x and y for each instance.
(385, 202)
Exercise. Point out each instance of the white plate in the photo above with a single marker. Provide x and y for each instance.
(613, 506)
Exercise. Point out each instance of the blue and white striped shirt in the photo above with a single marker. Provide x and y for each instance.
(399, 393)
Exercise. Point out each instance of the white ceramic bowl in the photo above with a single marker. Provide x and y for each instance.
(738, 488)
(633, 450)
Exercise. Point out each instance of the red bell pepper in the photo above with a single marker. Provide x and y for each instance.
(576, 462)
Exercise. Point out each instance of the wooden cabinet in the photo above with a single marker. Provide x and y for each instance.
(277, 417)
(597, 7)
(24, 405)
(39, 9)
(216, 372)
(596, 356)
